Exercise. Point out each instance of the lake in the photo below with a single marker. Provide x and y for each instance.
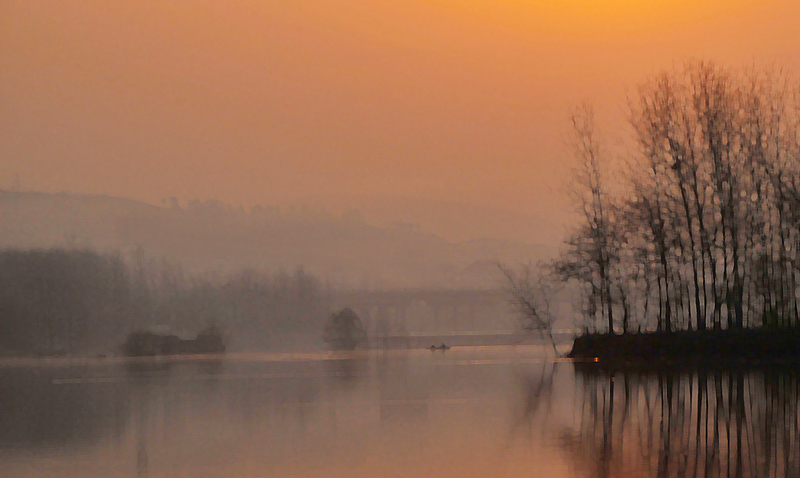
(467, 412)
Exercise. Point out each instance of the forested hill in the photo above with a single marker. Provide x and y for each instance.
(212, 236)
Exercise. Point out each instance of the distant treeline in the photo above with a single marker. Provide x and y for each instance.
(701, 230)
(60, 301)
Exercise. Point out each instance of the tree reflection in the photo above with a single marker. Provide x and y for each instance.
(346, 371)
(537, 399)
(687, 423)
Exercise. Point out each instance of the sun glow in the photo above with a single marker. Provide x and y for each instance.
(606, 17)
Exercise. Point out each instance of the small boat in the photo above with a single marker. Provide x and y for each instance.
(440, 347)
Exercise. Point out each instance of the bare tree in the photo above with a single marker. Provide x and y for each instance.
(531, 293)
(590, 255)
(706, 223)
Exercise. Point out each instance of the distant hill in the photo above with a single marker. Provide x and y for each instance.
(209, 236)
(452, 221)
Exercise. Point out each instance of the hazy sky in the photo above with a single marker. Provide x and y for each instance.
(270, 101)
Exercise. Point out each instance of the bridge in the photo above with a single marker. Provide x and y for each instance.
(415, 317)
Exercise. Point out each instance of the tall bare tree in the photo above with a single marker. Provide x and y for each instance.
(706, 224)
(590, 256)
(530, 292)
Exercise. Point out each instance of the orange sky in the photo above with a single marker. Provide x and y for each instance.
(269, 101)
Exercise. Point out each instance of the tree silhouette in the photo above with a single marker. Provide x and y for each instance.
(344, 331)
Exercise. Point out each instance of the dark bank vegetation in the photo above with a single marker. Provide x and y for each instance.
(79, 302)
(688, 347)
(148, 344)
(698, 227)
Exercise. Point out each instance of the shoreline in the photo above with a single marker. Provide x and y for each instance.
(696, 348)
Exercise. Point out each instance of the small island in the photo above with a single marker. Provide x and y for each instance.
(687, 249)
(149, 344)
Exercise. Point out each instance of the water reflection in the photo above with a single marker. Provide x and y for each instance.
(537, 400)
(466, 413)
(44, 410)
(347, 371)
(687, 423)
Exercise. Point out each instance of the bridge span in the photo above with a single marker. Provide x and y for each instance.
(424, 317)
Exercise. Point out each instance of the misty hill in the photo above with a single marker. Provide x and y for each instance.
(210, 236)
(453, 221)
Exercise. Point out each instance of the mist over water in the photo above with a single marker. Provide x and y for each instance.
(471, 411)
(466, 412)
(291, 239)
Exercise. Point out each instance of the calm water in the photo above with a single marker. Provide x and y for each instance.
(469, 412)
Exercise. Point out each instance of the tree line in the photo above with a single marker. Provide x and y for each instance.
(698, 227)
(60, 301)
